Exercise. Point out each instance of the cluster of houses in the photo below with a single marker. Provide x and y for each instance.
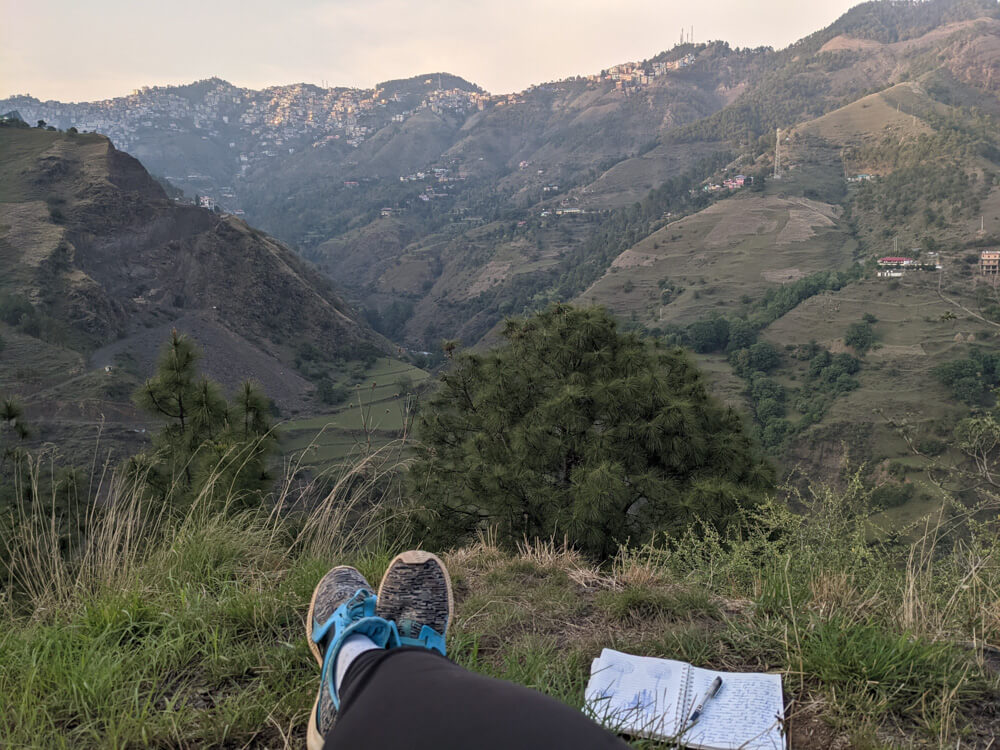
(895, 266)
(563, 212)
(631, 76)
(441, 174)
(730, 183)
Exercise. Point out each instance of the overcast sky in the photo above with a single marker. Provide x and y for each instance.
(75, 51)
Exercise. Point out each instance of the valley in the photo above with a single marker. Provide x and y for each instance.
(651, 188)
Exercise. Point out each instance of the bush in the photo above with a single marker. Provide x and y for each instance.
(931, 446)
(971, 380)
(331, 393)
(573, 428)
(892, 495)
(860, 336)
(14, 308)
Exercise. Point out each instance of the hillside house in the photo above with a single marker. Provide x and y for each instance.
(989, 262)
(893, 266)
(893, 261)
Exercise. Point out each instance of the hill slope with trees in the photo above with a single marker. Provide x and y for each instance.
(100, 266)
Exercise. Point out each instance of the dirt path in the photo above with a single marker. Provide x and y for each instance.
(960, 306)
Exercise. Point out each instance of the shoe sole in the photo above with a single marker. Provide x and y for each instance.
(418, 557)
(314, 740)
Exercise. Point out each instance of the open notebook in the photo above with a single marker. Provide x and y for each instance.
(647, 697)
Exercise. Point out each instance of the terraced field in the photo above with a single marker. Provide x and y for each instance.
(378, 411)
(732, 251)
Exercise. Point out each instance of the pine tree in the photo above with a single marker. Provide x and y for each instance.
(204, 437)
(575, 428)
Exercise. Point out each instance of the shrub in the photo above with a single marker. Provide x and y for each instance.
(892, 495)
(860, 336)
(931, 446)
(14, 308)
(331, 393)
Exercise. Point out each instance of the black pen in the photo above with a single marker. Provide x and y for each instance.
(712, 690)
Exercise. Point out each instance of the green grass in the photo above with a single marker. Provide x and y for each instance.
(376, 412)
(875, 672)
(190, 633)
(640, 603)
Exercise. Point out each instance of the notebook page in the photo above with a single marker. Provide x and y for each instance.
(635, 694)
(743, 714)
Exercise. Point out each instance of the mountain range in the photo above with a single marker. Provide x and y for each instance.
(755, 187)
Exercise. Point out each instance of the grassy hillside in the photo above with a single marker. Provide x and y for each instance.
(191, 634)
(933, 166)
(716, 258)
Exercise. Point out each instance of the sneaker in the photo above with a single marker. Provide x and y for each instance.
(416, 595)
(342, 604)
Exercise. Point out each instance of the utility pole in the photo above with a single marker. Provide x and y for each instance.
(777, 156)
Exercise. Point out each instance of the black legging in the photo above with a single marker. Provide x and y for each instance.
(415, 699)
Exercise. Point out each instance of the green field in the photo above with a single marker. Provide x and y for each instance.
(377, 412)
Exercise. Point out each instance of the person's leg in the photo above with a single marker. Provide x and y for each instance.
(416, 699)
(341, 626)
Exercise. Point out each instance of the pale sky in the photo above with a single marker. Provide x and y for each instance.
(75, 50)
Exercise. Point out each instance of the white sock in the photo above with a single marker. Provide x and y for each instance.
(352, 647)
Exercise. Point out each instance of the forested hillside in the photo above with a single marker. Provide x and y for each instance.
(657, 188)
